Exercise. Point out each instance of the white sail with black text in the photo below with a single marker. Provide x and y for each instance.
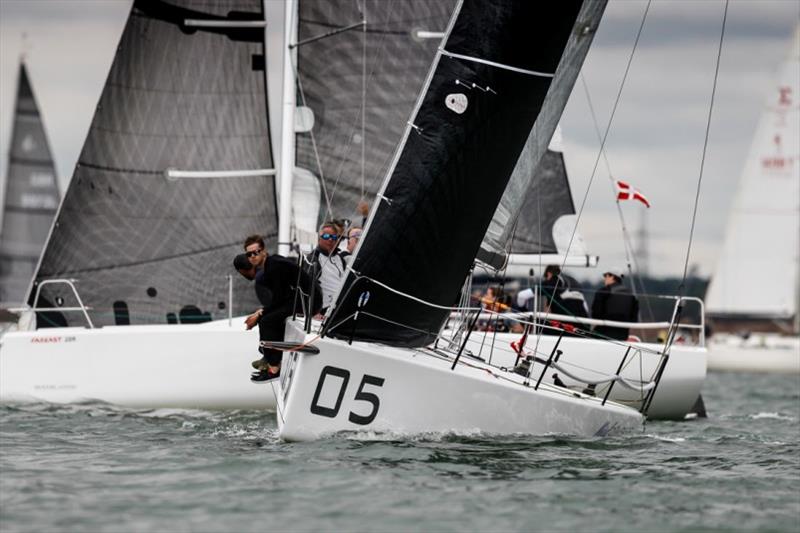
(753, 299)
(31, 196)
(757, 272)
(175, 170)
(503, 73)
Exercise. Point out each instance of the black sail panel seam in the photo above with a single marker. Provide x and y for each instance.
(151, 261)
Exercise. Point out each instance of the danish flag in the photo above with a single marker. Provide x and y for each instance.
(626, 192)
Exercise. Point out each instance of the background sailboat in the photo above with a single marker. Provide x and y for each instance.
(176, 168)
(175, 172)
(756, 287)
(31, 196)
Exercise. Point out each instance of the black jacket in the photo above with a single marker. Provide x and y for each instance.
(615, 302)
(276, 282)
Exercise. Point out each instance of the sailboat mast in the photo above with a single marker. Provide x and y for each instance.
(287, 152)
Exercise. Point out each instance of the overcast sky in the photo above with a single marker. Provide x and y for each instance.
(655, 142)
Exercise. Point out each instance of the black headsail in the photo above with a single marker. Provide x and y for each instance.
(31, 196)
(175, 171)
(505, 70)
(537, 195)
(381, 69)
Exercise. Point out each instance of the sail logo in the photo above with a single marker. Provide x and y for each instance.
(785, 98)
(456, 102)
(778, 161)
(28, 144)
(45, 340)
(38, 201)
(41, 180)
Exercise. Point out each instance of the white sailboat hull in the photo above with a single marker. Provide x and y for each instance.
(592, 359)
(368, 387)
(203, 366)
(757, 353)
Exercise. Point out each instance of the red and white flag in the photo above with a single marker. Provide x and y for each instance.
(626, 192)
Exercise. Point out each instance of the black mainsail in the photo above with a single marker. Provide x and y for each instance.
(176, 170)
(381, 69)
(503, 74)
(31, 196)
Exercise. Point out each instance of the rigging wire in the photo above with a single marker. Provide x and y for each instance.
(363, 100)
(377, 61)
(682, 286)
(603, 143)
(630, 255)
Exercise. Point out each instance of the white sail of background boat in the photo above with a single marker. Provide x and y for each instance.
(754, 293)
(500, 76)
(31, 196)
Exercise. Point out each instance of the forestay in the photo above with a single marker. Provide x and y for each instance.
(31, 196)
(501, 76)
(175, 170)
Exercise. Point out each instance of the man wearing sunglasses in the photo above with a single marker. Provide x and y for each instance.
(255, 250)
(275, 279)
(353, 236)
(327, 262)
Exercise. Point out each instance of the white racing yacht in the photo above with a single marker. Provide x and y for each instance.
(497, 86)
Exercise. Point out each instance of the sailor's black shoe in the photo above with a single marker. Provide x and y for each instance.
(260, 364)
(264, 376)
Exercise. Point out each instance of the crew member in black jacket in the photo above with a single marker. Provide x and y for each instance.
(275, 284)
(614, 302)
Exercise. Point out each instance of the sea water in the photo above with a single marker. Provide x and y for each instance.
(96, 467)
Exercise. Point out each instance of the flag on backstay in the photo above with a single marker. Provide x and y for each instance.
(626, 192)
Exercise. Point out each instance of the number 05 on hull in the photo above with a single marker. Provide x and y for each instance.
(370, 387)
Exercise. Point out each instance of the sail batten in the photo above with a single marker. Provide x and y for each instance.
(135, 228)
(494, 64)
(453, 165)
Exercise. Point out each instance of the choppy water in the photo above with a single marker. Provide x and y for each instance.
(101, 468)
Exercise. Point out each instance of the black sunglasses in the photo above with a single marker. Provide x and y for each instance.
(253, 254)
(328, 236)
